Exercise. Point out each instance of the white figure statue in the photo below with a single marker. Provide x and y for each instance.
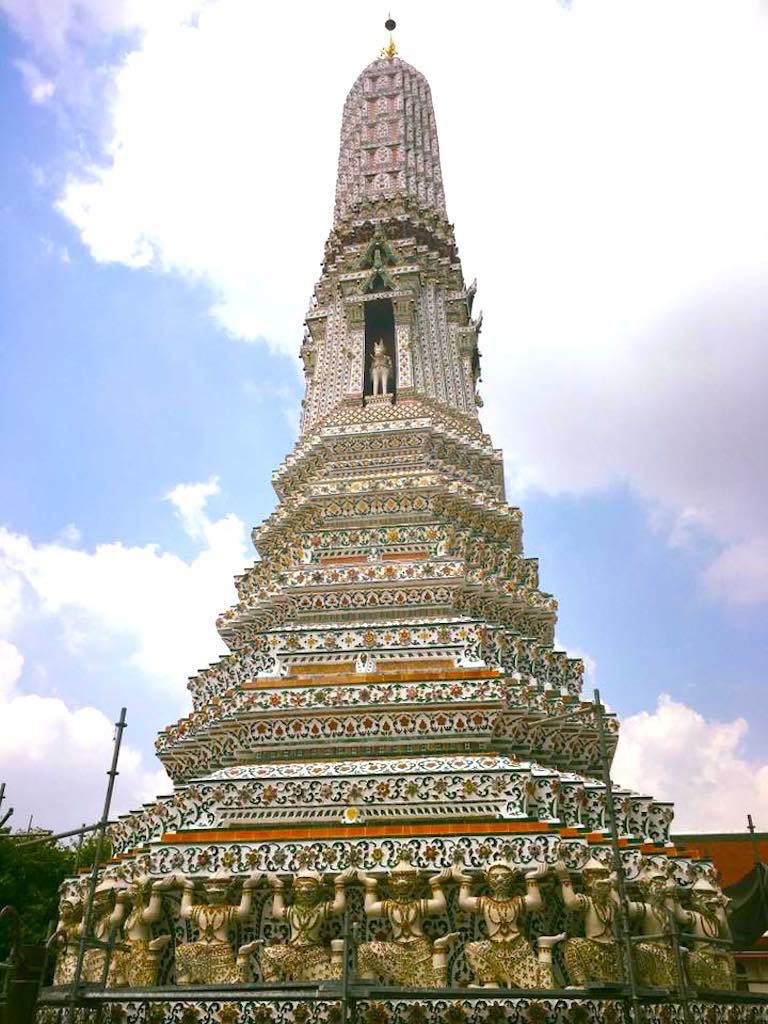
(381, 364)
(506, 958)
(709, 966)
(64, 939)
(304, 957)
(593, 959)
(136, 962)
(211, 960)
(409, 957)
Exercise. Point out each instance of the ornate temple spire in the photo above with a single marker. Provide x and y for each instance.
(392, 297)
(393, 707)
(389, 138)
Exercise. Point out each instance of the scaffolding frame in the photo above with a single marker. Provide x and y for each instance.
(86, 940)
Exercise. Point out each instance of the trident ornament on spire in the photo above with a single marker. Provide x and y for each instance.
(390, 50)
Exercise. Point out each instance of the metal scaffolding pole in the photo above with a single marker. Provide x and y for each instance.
(682, 980)
(100, 837)
(79, 850)
(755, 861)
(348, 967)
(618, 866)
(61, 835)
(9, 812)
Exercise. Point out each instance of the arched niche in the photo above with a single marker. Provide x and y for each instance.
(380, 323)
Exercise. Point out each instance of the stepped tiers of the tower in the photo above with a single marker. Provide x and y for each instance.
(393, 738)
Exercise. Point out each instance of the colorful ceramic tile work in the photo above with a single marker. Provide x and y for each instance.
(393, 735)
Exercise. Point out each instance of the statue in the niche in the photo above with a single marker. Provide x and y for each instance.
(593, 959)
(381, 365)
(137, 958)
(65, 938)
(654, 956)
(304, 957)
(709, 966)
(409, 958)
(506, 958)
(210, 960)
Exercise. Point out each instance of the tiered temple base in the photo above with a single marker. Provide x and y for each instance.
(363, 1005)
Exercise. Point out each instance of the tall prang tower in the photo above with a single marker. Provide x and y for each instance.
(392, 630)
(393, 712)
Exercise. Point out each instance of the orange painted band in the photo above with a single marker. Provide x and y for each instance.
(358, 832)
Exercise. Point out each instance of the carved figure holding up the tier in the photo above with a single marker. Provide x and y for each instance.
(136, 960)
(211, 960)
(654, 957)
(709, 966)
(66, 937)
(593, 959)
(409, 958)
(506, 958)
(106, 918)
(304, 957)
(381, 364)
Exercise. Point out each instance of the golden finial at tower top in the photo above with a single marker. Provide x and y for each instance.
(390, 50)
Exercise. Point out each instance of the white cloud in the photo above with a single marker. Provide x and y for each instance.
(53, 26)
(69, 534)
(287, 399)
(202, 177)
(54, 251)
(189, 501)
(739, 575)
(678, 422)
(157, 612)
(11, 664)
(626, 318)
(39, 88)
(72, 40)
(53, 759)
(162, 605)
(606, 182)
(54, 762)
(10, 599)
(61, 28)
(676, 754)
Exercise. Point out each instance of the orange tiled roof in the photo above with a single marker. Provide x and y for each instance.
(733, 854)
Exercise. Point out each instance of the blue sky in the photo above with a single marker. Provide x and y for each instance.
(165, 196)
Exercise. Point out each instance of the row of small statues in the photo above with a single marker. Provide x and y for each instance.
(125, 914)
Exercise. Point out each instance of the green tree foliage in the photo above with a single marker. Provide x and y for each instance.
(29, 881)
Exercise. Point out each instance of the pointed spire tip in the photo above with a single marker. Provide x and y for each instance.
(390, 50)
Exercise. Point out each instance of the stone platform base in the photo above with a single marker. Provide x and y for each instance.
(323, 1004)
